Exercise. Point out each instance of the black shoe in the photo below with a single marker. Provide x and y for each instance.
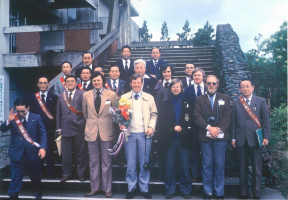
(169, 196)
(219, 197)
(130, 194)
(159, 179)
(14, 196)
(256, 197)
(207, 196)
(186, 196)
(38, 194)
(146, 195)
(243, 196)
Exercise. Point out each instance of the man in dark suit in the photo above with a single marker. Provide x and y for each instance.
(116, 84)
(44, 104)
(188, 80)
(212, 115)
(85, 83)
(126, 64)
(153, 66)
(244, 137)
(70, 124)
(99, 69)
(192, 92)
(23, 150)
(87, 60)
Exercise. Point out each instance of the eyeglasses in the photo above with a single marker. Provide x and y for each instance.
(20, 111)
(212, 83)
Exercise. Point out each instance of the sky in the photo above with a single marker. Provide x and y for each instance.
(248, 18)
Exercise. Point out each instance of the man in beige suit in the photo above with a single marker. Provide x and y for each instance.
(99, 134)
(140, 131)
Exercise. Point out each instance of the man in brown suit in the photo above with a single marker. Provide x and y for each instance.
(99, 134)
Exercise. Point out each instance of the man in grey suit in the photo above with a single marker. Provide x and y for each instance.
(245, 139)
(70, 123)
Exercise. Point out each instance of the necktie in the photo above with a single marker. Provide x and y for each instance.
(136, 96)
(70, 97)
(43, 98)
(24, 122)
(97, 102)
(114, 86)
(248, 102)
(211, 101)
(155, 63)
(166, 84)
(190, 81)
(85, 84)
(199, 93)
(126, 66)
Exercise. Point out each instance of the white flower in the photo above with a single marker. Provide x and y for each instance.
(281, 38)
(257, 59)
(274, 40)
(277, 49)
(279, 56)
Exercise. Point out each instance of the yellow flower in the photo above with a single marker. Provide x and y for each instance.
(257, 59)
(279, 57)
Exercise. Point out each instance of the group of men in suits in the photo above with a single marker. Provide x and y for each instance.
(78, 111)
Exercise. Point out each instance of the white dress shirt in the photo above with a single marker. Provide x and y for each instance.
(124, 63)
(166, 81)
(201, 87)
(117, 83)
(87, 83)
(188, 79)
(45, 93)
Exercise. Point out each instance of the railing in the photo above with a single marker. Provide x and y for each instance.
(96, 50)
(166, 43)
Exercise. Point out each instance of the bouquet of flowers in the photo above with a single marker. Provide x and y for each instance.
(122, 115)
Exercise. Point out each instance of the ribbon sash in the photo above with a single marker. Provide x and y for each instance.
(70, 106)
(249, 111)
(63, 83)
(109, 88)
(43, 107)
(80, 87)
(24, 132)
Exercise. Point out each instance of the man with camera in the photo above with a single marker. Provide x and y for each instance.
(212, 115)
(139, 132)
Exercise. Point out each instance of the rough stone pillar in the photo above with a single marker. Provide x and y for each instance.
(4, 49)
(230, 60)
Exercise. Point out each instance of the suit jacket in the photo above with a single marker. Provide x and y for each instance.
(51, 103)
(89, 87)
(148, 86)
(35, 129)
(167, 122)
(201, 115)
(243, 127)
(123, 75)
(149, 109)
(161, 94)
(189, 92)
(70, 123)
(58, 87)
(102, 122)
(78, 71)
(120, 87)
(151, 69)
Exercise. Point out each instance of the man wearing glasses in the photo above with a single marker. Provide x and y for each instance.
(212, 115)
(44, 104)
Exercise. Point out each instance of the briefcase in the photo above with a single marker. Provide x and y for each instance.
(58, 144)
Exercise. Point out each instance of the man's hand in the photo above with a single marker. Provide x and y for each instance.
(233, 143)
(154, 76)
(159, 81)
(149, 131)
(11, 115)
(42, 153)
(59, 132)
(265, 142)
(122, 127)
(178, 128)
(214, 131)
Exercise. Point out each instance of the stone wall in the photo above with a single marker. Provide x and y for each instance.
(230, 60)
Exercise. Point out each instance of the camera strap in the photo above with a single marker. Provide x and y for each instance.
(212, 111)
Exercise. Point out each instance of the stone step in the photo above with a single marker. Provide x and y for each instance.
(167, 54)
(172, 58)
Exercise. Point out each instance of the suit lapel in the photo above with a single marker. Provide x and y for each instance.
(103, 101)
(90, 98)
(242, 108)
(207, 100)
(109, 82)
(75, 98)
(48, 101)
(253, 102)
(30, 122)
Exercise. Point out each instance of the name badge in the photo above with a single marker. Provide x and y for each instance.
(221, 102)
(186, 117)
(254, 108)
(108, 101)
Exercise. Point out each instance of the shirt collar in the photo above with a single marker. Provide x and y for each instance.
(117, 80)
(248, 98)
(88, 82)
(134, 93)
(45, 93)
(166, 81)
(146, 76)
(101, 91)
(155, 61)
(26, 117)
(73, 92)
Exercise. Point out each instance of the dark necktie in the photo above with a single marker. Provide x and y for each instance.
(190, 81)
(97, 102)
(114, 86)
(155, 63)
(70, 97)
(85, 84)
(166, 84)
(136, 96)
(126, 66)
(24, 122)
(43, 98)
(199, 93)
(247, 101)
(211, 101)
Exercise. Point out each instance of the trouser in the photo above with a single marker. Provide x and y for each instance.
(135, 146)
(67, 150)
(255, 154)
(195, 157)
(185, 183)
(17, 169)
(213, 166)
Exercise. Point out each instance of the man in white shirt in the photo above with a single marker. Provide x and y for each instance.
(85, 79)
(87, 60)
(188, 80)
(59, 86)
(126, 64)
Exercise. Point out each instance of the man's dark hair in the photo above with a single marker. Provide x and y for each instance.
(70, 76)
(66, 62)
(135, 77)
(175, 81)
(21, 102)
(156, 48)
(43, 77)
(114, 66)
(126, 46)
(246, 79)
(163, 68)
(86, 68)
(86, 52)
(95, 74)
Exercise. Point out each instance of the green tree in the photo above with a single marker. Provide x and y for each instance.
(186, 32)
(144, 35)
(204, 35)
(164, 32)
